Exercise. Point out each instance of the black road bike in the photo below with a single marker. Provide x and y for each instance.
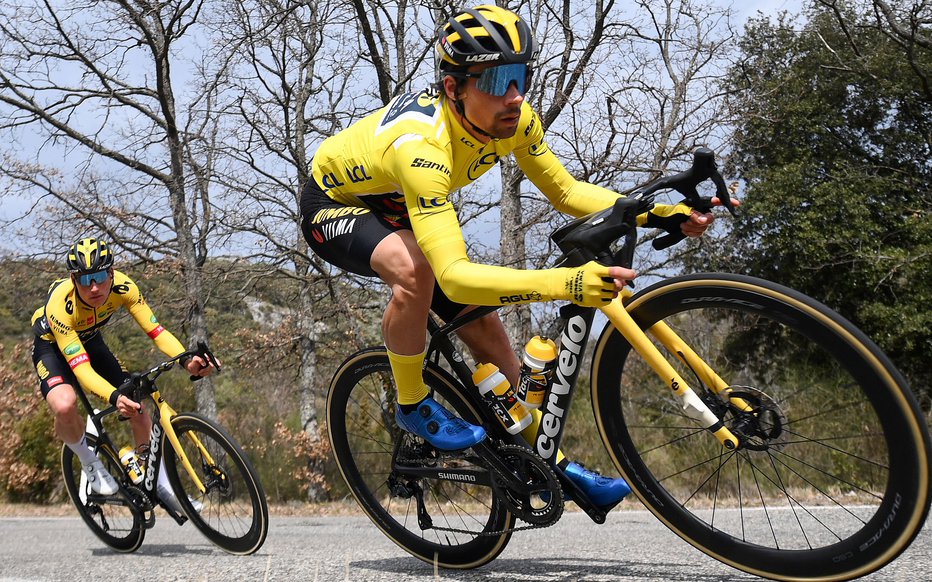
(214, 482)
(753, 421)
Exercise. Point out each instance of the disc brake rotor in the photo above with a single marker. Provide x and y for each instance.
(764, 426)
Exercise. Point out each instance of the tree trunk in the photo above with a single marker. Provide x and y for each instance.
(513, 247)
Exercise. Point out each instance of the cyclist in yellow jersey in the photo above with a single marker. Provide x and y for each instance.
(69, 349)
(378, 205)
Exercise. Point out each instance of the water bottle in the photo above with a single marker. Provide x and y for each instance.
(131, 462)
(540, 358)
(497, 391)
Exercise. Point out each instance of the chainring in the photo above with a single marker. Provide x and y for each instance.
(142, 503)
(541, 503)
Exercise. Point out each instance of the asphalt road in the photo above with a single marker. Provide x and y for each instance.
(631, 545)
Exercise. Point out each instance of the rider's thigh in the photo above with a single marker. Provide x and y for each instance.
(399, 262)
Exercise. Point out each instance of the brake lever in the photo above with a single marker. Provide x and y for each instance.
(203, 351)
(703, 168)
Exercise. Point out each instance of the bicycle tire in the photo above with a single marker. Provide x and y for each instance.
(363, 434)
(234, 513)
(116, 522)
(840, 490)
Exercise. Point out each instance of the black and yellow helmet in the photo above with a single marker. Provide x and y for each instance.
(485, 34)
(89, 255)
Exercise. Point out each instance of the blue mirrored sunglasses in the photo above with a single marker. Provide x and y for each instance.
(496, 80)
(99, 277)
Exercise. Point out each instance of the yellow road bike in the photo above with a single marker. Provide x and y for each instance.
(753, 421)
(213, 481)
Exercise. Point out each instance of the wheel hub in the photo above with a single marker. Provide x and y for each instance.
(761, 428)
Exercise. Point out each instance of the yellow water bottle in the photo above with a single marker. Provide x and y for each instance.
(131, 462)
(540, 358)
(497, 391)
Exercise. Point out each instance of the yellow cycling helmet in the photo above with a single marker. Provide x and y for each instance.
(89, 255)
(485, 34)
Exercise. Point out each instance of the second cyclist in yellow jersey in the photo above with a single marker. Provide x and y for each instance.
(69, 351)
(67, 321)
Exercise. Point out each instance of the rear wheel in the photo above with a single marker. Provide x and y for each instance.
(833, 481)
(467, 519)
(113, 518)
(232, 512)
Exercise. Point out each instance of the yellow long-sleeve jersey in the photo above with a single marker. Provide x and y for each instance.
(66, 320)
(407, 157)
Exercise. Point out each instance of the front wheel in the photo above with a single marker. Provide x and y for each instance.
(453, 523)
(832, 481)
(114, 519)
(231, 511)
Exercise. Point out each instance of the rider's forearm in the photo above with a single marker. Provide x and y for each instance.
(584, 198)
(476, 284)
(94, 382)
(167, 343)
(567, 194)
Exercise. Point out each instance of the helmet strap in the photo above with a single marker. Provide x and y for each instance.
(461, 109)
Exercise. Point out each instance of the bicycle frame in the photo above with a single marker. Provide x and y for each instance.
(575, 332)
(161, 425)
(693, 406)
(577, 325)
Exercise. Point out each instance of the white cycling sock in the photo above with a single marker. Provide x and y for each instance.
(84, 453)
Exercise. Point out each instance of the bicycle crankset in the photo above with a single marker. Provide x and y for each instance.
(524, 482)
(141, 502)
(761, 428)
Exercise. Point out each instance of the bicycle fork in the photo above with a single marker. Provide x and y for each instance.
(692, 405)
(166, 413)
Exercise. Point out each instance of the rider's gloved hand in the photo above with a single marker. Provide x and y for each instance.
(590, 285)
(676, 219)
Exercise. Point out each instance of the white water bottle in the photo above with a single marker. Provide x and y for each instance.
(497, 391)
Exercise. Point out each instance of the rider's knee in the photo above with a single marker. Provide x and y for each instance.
(413, 281)
(63, 401)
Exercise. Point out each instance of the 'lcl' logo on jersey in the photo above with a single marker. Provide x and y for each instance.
(431, 203)
(477, 168)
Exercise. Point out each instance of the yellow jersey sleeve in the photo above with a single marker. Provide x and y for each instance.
(439, 235)
(541, 166)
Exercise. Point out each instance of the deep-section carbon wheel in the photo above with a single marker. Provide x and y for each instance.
(232, 512)
(833, 481)
(361, 420)
(112, 518)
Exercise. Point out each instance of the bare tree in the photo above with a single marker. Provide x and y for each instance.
(92, 83)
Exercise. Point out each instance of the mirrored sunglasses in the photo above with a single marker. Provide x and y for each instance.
(99, 277)
(496, 80)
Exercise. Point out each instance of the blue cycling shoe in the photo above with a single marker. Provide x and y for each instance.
(603, 491)
(440, 427)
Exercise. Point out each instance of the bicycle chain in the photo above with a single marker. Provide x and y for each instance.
(429, 460)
